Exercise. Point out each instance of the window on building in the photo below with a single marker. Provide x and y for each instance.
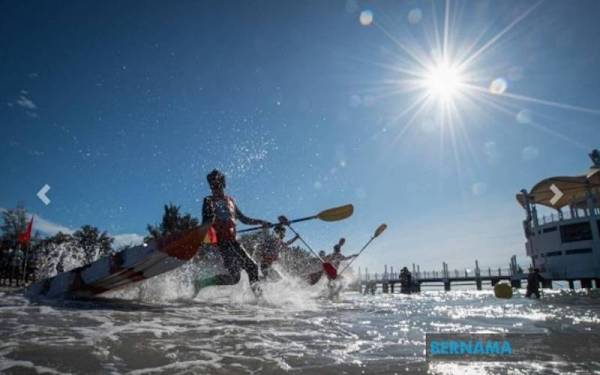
(578, 251)
(554, 253)
(576, 232)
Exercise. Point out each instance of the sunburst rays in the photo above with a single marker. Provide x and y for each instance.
(445, 75)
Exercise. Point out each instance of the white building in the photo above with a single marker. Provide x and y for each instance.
(566, 244)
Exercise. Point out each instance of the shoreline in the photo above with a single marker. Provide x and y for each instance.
(9, 289)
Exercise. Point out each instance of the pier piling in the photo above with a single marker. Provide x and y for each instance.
(586, 283)
(547, 284)
(478, 282)
(447, 286)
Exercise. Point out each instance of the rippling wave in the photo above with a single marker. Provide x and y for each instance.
(157, 328)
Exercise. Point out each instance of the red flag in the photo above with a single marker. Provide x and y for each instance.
(24, 237)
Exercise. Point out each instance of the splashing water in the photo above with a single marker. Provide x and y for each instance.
(157, 327)
(65, 256)
(225, 330)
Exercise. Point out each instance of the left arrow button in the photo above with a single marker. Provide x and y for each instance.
(42, 194)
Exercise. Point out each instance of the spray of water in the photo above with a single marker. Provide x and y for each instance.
(59, 258)
(291, 292)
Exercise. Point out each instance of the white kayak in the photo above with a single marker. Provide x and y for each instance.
(123, 268)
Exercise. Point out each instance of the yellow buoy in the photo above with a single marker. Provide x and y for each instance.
(502, 290)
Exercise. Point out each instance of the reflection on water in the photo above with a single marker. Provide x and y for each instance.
(225, 330)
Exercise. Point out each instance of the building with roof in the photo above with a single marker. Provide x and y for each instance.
(566, 244)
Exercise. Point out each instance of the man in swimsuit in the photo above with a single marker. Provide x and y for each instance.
(221, 211)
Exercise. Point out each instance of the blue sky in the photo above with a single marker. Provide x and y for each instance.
(305, 105)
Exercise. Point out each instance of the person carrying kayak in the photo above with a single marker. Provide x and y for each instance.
(221, 212)
(271, 246)
(337, 257)
(334, 258)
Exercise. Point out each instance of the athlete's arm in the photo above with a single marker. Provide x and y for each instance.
(208, 212)
(248, 220)
(288, 243)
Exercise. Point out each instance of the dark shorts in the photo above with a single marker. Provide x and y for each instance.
(236, 259)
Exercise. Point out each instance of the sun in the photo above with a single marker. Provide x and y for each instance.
(443, 81)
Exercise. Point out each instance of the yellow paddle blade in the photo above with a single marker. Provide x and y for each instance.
(336, 213)
(380, 230)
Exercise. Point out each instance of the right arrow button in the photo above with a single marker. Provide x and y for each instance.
(557, 194)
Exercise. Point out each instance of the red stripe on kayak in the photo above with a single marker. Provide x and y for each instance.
(78, 286)
(134, 275)
(115, 265)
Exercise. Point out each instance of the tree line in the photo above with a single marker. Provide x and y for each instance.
(46, 256)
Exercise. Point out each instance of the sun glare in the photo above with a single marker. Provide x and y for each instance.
(445, 76)
(443, 81)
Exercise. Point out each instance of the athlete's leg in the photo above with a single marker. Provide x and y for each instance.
(264, 269)
(232, 263)
(247, 263)
(269, 273)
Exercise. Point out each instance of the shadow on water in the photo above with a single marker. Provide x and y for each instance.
(97, 303)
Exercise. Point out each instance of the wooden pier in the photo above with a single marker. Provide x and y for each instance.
(477, 277)
(446, 277)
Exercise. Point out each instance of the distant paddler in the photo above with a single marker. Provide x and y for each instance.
(331, 214)
(271, 247)
(405, 280)
(533, 283)
(335, 258)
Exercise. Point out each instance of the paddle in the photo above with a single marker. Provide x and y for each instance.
(378, 231)
(332, 214)
(329, 268)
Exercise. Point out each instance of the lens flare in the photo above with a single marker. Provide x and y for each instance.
(366, 17)
(415, 16)
(498, 86)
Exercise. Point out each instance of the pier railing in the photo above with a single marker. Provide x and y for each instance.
(567, 215)
(446, 274)
(440, 274)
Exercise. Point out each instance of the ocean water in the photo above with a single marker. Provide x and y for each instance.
(158, 328)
